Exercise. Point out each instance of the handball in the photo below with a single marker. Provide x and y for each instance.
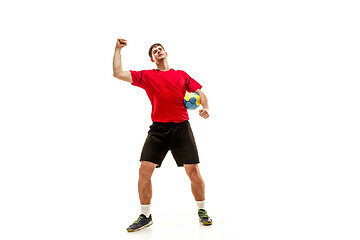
(192, 100)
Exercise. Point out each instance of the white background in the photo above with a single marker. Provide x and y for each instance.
(279, 154)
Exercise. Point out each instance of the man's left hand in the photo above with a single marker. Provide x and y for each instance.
(204, 113)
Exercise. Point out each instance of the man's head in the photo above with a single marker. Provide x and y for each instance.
(157, 52)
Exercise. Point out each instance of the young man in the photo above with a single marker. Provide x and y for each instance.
(170, 130)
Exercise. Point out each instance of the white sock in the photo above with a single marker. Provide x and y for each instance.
(200, 204)
(145, 209)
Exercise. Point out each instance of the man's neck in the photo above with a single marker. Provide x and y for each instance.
(163, 66)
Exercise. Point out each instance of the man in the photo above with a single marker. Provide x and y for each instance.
(170, 130)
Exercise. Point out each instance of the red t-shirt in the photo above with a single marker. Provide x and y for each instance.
(166, 91)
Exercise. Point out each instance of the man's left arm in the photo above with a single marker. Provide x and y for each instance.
(204, 112)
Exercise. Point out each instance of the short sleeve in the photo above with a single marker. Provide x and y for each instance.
(191, 84)
(137, 78)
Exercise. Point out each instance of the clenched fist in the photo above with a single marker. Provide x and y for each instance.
(204, 113)
(120, 43)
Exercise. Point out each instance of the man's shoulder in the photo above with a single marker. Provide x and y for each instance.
(182, 72)
(148, 70)
(145, 72)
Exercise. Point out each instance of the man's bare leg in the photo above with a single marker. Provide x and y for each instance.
(144, 185)
(197, 182)
(145, 193)
(198, 190)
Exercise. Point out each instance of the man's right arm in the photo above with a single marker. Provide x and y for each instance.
(117, 65)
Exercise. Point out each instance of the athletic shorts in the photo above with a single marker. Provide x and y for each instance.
(176, 137)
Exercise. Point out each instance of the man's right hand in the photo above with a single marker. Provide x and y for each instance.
(120, 43)
(117, 66)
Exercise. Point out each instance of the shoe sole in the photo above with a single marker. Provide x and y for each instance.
(205, 223)
(145, 226)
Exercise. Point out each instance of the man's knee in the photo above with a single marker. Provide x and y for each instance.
(146, 169)
(193, 172)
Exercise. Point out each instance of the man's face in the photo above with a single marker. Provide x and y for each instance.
(158, 54)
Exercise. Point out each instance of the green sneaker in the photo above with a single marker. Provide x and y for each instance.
(204, 218)
(141, 223)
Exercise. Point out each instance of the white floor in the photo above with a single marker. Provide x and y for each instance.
(174, 210)
(95, 201)
(168, 225)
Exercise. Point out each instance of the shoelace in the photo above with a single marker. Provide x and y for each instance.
(138, 220)
(204, 214)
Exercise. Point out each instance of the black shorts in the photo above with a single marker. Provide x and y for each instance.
(176, 137)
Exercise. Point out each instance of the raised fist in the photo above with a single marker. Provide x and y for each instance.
(120, 43)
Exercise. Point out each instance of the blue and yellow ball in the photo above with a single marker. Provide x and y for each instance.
(192, 100)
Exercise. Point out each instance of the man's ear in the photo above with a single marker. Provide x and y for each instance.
(152, 60)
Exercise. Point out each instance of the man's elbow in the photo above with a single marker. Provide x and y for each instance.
(125, 76)
(116, 74)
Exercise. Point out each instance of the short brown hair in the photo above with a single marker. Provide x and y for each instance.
(154, 45)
